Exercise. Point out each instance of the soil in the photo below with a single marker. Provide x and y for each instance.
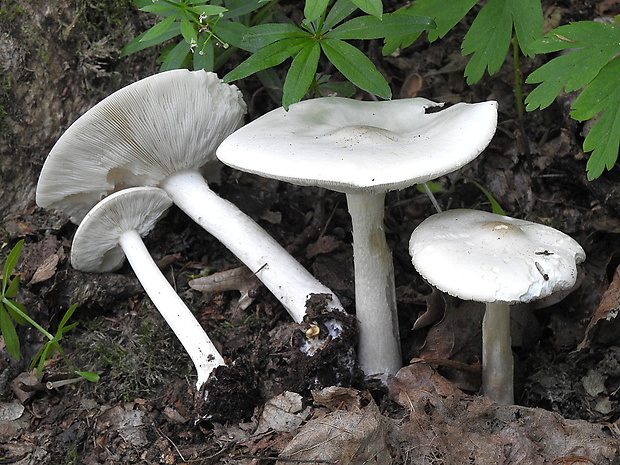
(58, 58)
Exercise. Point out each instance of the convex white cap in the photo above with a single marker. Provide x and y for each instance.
(96, 245)
(485, 257)
(349, 145)
(138, 136)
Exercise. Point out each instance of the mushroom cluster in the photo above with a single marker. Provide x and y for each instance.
(120, 166)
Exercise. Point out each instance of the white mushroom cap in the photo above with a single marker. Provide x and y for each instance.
(139, 135)
(96, 246)
(484, 257)
(348, 145)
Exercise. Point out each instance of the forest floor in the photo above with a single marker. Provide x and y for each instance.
(276, 402)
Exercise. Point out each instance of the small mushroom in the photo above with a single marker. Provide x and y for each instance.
(162, 131)
(113, 230)
(498, 260)
(364, 149)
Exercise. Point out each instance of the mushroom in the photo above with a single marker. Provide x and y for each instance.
(498, 260)
(364, 149)
(113, 230)
(162, 131)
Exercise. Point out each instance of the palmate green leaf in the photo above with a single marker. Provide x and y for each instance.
(160, 8)
(188, 31)
(356, 67)
(301, 74)
(593, 44)
(490, 34)
(602, 95)
(372, 7)
(445, 13)
(371, 27)
(268, 57)
(9, 334)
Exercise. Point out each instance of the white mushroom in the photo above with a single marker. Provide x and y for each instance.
(498, 260)
(163, 131)
(364, 149)
(113, 230)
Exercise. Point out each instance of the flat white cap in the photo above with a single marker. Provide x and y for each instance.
(137, 136)
(349, 145)
(96, 242)
(484, 257)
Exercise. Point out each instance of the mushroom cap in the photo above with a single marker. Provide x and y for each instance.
(484, 257)
(96, 245)
(349, 145)
(137, 136)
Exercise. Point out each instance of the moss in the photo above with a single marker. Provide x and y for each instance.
(135, 354)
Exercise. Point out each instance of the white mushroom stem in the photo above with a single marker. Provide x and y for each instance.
(497, 360)
(284, 276)
(375, 296)
(180, 319)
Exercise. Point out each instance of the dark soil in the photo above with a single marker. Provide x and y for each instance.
(60, 58)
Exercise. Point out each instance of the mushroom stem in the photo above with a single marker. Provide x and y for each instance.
(180, 319)
(497, 360)
(375, 296)
(284, 276)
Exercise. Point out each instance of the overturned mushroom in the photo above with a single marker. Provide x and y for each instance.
(163, 131)
(364, 149)
(113, 230)
(498, 260)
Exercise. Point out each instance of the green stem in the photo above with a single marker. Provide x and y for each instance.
(16, 309)
(518, 78)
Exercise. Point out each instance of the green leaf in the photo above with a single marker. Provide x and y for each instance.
(495, 206)
(341, 10)
(139, 43)
(68, 314)
(176, 57)
(313, 9)
(267, 57)
(370, 27)
(602, 95)
(10, 263)
(445, 13)
(489, 36)
(88, 376)
(17, 311)
(301, 74)
(188, 31)
(356, 67)
(9, 334)
(592, 45)
(208, 10)
(204, 57)
(241, 8)
(160, 8)
(232, 33)
(13, 288)
(262, 35)
(488, 39)
(372, 7)
(160, 28)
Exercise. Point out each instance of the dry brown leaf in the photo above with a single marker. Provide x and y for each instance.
(46, 270)
(604, 326)
(448, 426)
(346, 438)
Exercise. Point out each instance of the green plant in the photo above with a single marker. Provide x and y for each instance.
(11, 311)
(323, 32)
(591, 62)
(271, 43)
